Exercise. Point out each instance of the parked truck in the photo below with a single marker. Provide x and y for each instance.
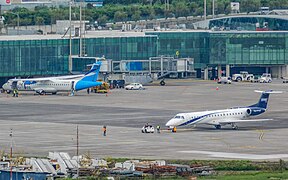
(243, 76)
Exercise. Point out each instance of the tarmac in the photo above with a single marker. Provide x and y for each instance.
(48, 123)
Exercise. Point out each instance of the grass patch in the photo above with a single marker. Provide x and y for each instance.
(248, 175)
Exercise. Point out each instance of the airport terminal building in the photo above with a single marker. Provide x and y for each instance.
(219, 47)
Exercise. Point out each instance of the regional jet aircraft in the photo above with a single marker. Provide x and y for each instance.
(56, 84)
(220, 118)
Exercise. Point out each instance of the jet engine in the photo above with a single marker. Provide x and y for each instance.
(248, 111)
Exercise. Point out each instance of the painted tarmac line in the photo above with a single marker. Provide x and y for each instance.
(237, 155)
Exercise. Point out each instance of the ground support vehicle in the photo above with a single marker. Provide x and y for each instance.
(265, 78)
(134, 86)
(243, 76)
(117, 83)
(285, 79)
(147, 129)
(224, 80)
(104, 88)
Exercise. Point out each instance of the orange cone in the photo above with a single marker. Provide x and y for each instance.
(217, 88)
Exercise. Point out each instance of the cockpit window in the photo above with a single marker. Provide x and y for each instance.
(179, 117)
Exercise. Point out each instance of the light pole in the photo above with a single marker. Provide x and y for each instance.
(205, 4)
(18, 19)
(213, 9)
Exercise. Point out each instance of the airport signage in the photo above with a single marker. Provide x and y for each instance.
(28, 1)
(5, 2)
(100, 2)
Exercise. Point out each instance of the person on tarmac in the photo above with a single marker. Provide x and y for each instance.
(158, 128)
(104, 130)
(174, 130)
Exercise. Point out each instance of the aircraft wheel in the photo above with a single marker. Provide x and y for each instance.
(162, 83)
(218, 126)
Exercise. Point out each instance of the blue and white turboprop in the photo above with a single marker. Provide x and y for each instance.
(220, 118)
(53, 85)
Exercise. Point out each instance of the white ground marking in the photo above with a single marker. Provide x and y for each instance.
(238, 155)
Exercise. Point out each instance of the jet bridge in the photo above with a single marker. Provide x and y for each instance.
(141, 71)
(155, 68)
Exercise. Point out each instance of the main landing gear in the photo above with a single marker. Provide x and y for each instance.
(218, 126)
(234, 126)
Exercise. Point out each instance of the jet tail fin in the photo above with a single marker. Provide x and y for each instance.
(263, 101)
(92, 74)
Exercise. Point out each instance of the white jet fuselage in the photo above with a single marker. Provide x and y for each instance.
(223, 117)
(209, 117)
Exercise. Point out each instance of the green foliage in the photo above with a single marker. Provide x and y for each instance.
(120, 16)
(126, 10)
(249, 175)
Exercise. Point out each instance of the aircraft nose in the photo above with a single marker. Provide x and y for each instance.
(5, 86)
(170, 123)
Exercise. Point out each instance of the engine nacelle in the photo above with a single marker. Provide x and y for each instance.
(248, 111)
(253, 111)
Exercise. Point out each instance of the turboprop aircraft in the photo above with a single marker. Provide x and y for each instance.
(55, 84)
(220, 118)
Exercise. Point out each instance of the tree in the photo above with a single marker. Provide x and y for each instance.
(120, 16)
(39, 20)
(136, 16)
(250, 5)
(102, 20)
(180, 8)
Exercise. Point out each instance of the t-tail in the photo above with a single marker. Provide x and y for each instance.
(90, 78)
(263, 101)
(92, 74)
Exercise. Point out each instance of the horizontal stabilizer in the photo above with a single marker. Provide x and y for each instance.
(269, 92)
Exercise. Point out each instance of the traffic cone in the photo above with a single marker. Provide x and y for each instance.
(217, 88)
(106, 95)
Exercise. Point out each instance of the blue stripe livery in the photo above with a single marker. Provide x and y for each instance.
(90, 78)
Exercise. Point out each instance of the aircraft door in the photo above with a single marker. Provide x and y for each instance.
(72, 85)
(72, 88)
(14, 85)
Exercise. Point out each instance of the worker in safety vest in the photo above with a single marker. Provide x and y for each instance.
(174, 130)
(158, 129)
(104, 130)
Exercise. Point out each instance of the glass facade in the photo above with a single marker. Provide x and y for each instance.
(33, 57)
(120, 48)
(189, 44)
(51, 56)
(250, 23)
(249, 48)
(28, 58)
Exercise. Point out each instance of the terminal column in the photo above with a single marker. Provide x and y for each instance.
(284, 72)
(206, 73)
(219, 68)
(227, 70)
